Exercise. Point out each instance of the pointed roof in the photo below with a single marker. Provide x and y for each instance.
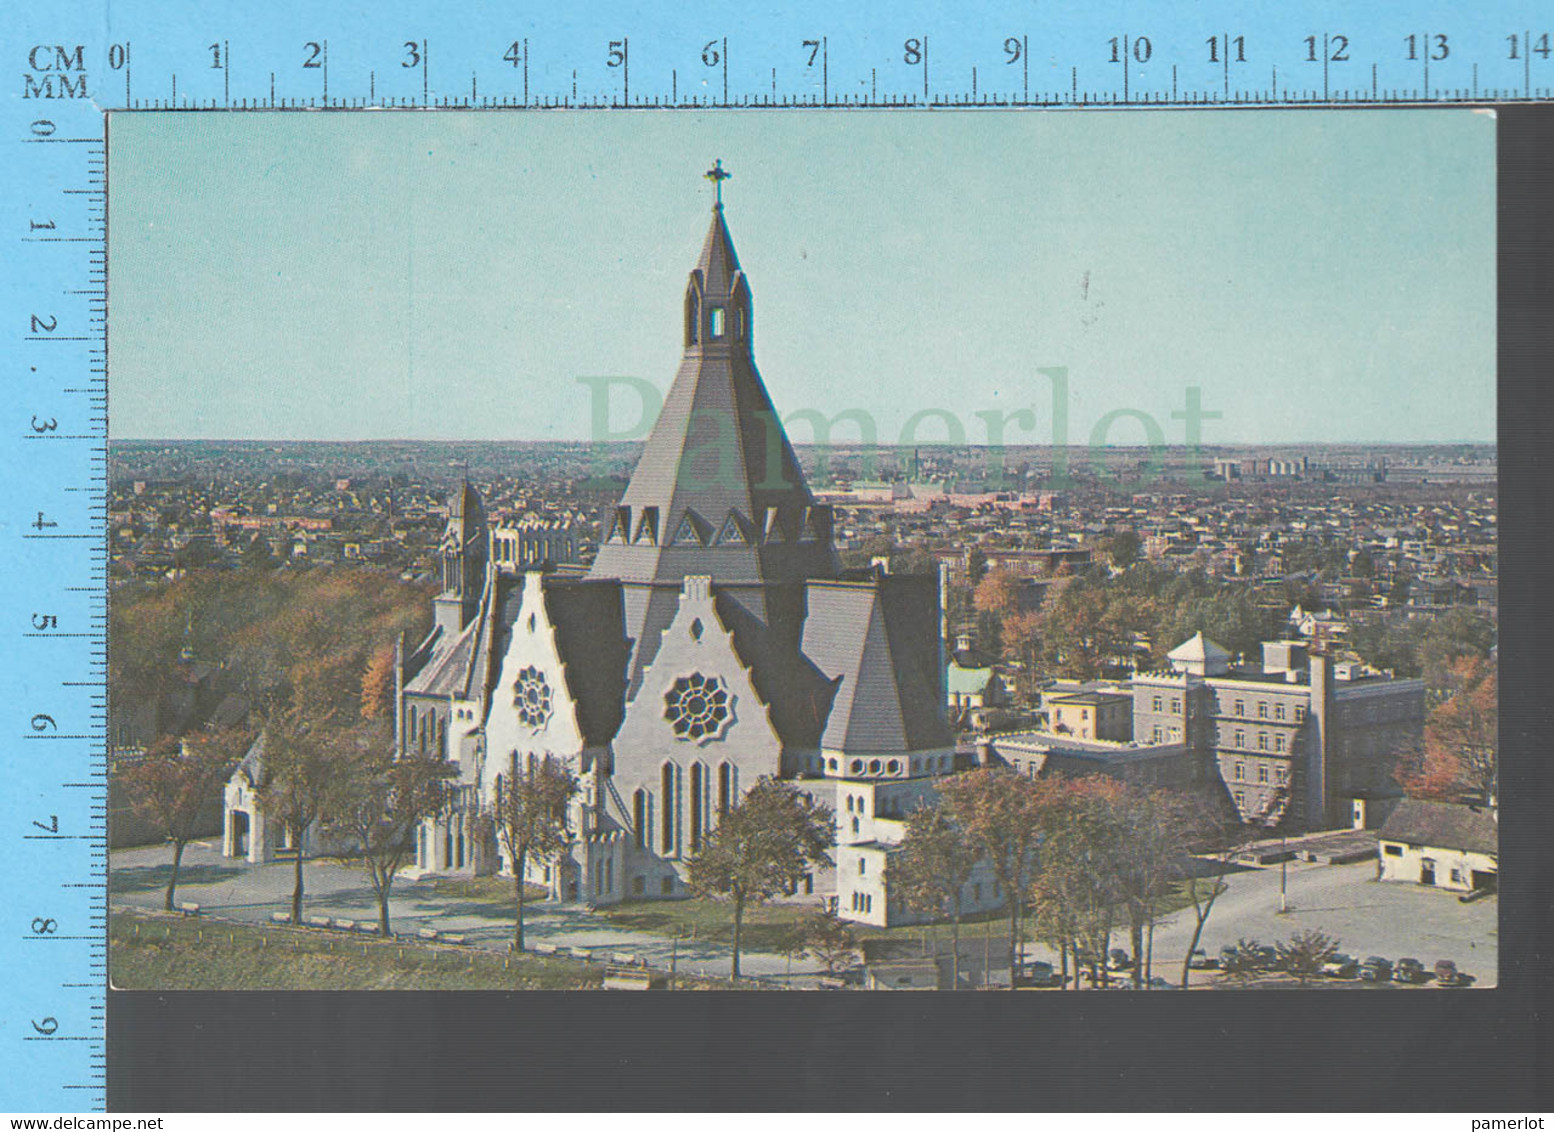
(879, 642)
(718, 261)
(465, 503)
(1199, 655)
(1198, 647)
(726, 494)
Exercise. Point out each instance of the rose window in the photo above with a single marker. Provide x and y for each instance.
(531, 696)
(698, 707)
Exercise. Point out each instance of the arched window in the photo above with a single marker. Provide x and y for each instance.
(668, 807)
(725, 788)
(692, 316)
(639, 817)
(697, 793)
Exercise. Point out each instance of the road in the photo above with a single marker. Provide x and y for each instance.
(1366, 916)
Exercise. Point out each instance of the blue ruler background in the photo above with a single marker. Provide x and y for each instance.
(74, 61)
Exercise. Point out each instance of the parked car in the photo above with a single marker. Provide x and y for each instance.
(1118, 959)
(1038, 974)
(1409, 970)
(1341, 966)
(1265, 958)
(1199, 961)
(1375, 969)
(1447, 975)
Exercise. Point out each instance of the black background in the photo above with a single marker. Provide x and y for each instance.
(1478, 1050)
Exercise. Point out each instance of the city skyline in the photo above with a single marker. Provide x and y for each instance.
(338, 285)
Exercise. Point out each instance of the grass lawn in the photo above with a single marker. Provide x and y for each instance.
(158, 952)
(706, 919)
(487, 890)
(767, 925)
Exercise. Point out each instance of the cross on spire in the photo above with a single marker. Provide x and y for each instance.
(717, 175)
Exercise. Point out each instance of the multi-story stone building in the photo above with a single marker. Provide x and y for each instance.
(1294, 740)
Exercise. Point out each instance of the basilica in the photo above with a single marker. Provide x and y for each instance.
(716, 639)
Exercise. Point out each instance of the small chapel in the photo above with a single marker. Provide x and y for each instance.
(716, 639)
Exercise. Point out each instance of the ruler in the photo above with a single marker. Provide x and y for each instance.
(76, 64)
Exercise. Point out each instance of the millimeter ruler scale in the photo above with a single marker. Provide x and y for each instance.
(77, 65)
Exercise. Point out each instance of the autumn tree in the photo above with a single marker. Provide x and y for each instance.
(1078, 888)
(1023, 644)
(380, 801)
(1457, 758)
(1085, 629)
(377, 698)
(1145, 852)
(763, 846)
(997, 593)
(175, 782)
(932, 869)
(529, 816)
(300, 763)
(1001, 814)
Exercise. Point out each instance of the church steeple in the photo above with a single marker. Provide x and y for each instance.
(718, 490)
(463, 554)
(717, 296)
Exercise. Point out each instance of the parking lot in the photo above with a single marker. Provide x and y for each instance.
(1348, 903)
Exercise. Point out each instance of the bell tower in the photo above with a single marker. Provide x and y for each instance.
(718, 490)
(462, 554)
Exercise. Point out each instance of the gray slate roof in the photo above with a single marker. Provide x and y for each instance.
(590, 639)
(880, 640)
(717, 469)
(1443, 825)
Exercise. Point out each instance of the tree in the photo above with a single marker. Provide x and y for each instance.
(997, 593)
(1122, 548)
(1001, 814)
(378, 685)
(1204, 891)
(931, 870)
(830, 939)
(1243, 961)
(762, 846)
(175, 782)
(1022, 644)
(380, 801)
(1465, 729)
(1305, 953)
(1089, 624)
(1144, 849)
(530, 818)
(1080, 883)
(1457, 758)
(297, 773)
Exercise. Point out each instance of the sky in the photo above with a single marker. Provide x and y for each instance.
(1315, 276)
